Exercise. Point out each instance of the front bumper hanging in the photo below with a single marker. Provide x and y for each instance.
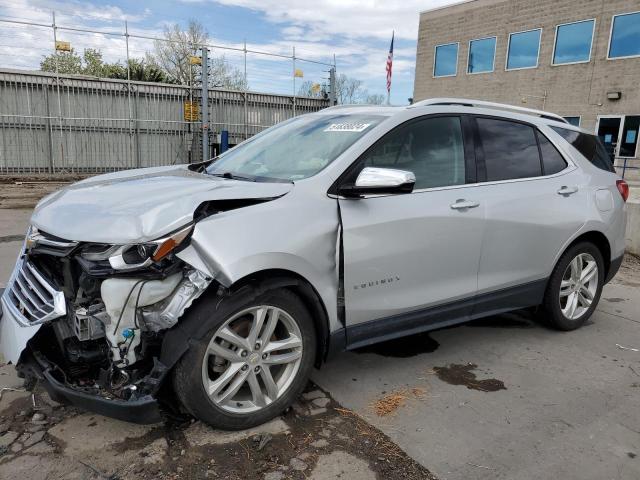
(144, 410)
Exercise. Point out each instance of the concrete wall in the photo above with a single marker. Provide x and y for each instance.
(633, 228)
(572, 90)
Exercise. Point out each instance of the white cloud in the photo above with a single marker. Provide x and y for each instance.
(349, 18)
(356, 31)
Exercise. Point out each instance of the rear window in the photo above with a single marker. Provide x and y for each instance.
(589, 146)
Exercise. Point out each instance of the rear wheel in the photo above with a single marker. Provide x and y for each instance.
(251, 364)
(575, 286)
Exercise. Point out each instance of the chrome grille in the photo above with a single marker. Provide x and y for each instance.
(30, 295)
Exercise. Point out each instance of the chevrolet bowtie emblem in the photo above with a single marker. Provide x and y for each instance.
(31, 241)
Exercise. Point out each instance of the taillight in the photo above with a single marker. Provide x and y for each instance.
(623, 188)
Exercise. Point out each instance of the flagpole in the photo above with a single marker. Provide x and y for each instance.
(389, 68)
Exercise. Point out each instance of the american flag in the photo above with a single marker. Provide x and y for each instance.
(390, 65)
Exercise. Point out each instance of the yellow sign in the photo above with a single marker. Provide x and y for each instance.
(63, 46)
(195, 60)
(315, 88)
(191, 111)
(298, 73)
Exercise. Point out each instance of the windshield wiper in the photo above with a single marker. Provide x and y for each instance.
(233, 176)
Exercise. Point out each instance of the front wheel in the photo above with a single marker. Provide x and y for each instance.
(575, 286)
(251, 364)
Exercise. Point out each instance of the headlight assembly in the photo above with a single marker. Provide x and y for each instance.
(133, 257)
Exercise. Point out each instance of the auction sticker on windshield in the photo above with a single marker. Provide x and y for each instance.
(347, 127)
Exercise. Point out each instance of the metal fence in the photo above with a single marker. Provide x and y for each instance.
(52, 123)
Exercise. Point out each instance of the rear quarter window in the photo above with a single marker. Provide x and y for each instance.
(551, 157)
(589, 146)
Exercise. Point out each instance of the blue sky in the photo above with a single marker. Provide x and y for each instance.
(358, 32)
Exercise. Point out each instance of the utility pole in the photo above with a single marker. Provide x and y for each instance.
(294, 81)
(332, 86)
(205, 105)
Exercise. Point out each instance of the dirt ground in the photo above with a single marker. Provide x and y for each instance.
(317, 439)
(22, 191)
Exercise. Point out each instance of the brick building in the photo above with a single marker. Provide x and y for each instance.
(577, 58)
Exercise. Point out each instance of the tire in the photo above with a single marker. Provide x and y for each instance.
(212, 360)
(557, 306)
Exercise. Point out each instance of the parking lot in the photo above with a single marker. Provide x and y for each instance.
(504, 397)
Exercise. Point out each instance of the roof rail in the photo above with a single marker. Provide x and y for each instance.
(352, 105)
(465, 102)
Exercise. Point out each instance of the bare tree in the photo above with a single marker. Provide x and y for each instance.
(310, 89)
(221, 74)
(349, 90)
(376, 99)
(172, 55)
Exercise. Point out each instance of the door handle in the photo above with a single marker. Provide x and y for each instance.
(564, 190)
(462, 204)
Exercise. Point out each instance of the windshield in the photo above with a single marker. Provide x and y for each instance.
(295, 149)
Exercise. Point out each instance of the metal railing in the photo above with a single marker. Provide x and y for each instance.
(54, 123)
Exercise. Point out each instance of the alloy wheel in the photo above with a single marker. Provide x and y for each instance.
(252, 359)
(578, 286)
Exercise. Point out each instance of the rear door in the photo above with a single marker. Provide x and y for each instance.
(534, 202)
(406, 252)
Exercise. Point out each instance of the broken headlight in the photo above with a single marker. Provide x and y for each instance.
(136, 256)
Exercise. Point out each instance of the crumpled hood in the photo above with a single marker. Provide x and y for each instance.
(139, 205)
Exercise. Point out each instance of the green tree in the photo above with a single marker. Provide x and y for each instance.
(67, 62)
(91, 63)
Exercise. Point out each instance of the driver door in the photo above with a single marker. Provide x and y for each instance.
(411, 260)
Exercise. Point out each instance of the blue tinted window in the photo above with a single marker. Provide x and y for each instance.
(573, 120)
(481, 55)
(625, 36)
(523, 49)
(573, 42)
(446, 60)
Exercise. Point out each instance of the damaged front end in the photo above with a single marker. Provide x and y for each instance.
(88, 319)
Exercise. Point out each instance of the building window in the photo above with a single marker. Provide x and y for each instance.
(523, 49)
(625, 36)
(445, 63)
(573, 42)
(619, 134)
(575, 121)
(629, 137)
(482, 54)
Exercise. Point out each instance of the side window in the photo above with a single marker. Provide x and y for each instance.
(551, 157)
(510, 149)
(589, 146)
(431, 148)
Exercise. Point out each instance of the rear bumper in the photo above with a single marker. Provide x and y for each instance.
(613, 268)
(144, 410)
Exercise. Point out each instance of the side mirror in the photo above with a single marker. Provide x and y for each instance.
(373, 181)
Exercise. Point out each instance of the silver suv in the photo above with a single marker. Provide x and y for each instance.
(213, 289)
